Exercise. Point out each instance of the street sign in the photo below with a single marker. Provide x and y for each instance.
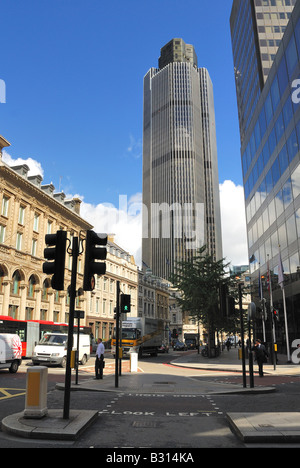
(79, 314)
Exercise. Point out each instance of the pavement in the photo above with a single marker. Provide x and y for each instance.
(262, 427)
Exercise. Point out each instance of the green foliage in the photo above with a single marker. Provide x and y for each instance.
(199, 282)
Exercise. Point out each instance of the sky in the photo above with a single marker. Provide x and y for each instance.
(73, 73)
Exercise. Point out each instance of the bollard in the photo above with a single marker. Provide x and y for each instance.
(36, 393)
(133, 362)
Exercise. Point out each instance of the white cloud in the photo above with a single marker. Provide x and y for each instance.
(126, 220)
(135, 147)
(35, 167)
(233, 218)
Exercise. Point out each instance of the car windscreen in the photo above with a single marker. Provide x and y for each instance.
(59, 340)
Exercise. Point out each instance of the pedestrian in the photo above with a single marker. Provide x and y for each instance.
(228, 344)
(99, 359)
(261, 356)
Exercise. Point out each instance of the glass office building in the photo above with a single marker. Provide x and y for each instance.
(180, 167)
(271, 172)
(257, 27)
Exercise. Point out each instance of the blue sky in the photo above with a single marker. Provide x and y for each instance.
(74, 72)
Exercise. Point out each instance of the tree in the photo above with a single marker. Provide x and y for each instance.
(199, 282)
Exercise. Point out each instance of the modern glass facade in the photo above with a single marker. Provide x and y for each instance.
(271, 172)
(257, 27)
(179, 161)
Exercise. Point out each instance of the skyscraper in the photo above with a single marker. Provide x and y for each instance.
(270, 152)
(257, 27)
(180, 167)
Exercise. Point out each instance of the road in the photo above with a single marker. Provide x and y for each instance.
(160, 419)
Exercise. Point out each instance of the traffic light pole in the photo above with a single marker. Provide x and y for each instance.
(242, 336)
(117, 335)
(75, 254)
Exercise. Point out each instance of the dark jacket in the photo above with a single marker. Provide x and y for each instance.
(260, 353)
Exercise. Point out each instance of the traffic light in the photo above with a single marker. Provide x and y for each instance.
(230, 306)
(223, 299)
(125, 303)
(57, 252)
(276, 314)
(93, 253)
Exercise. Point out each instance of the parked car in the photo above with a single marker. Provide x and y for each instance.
(180, 346)
(164, 348)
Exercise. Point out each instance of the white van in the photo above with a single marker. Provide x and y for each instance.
(52, 349)
(10, 352)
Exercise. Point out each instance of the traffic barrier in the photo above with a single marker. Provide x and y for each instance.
(36, 393)
(133, 362)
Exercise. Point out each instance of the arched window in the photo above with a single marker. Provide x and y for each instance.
(16, 280)
(31, 286)
(1, 279)
(46, 286)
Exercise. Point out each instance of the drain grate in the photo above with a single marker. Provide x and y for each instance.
(164, 383)
(145, 424)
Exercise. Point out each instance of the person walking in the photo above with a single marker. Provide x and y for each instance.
(261, 356)
(99, 359)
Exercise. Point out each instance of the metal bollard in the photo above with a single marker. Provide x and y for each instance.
(36, 393)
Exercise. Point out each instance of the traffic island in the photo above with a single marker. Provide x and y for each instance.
(52, 426)
(266, 427)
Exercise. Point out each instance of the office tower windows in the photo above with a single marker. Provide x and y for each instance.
(180, 173)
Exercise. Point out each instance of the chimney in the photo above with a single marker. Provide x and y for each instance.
(77, 205)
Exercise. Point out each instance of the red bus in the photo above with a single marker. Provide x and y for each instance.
(32, 331)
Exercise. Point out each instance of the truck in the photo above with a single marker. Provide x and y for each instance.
(191, 340)
(52, 349)
(140, 335)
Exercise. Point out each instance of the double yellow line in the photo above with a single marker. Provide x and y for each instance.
(5, 393)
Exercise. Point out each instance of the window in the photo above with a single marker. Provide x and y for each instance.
(36, 223)
(283, 159)
(2, 234)
(276, 172)
(282, 76)
(4, 209)
(33, 247)
(1, 279)
(275, 93)
(21, 215)
(296, 182)
(287, 193)
(19, 241)
(279, 127)
(15, 285)
(292, 145)
(291, 57)
(282, 236)
(287, 112)
(291, 229)
(45, 291)
(31, 287)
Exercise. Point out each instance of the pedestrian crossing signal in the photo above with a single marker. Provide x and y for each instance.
(125, 303)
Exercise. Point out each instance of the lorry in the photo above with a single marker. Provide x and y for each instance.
(52, 349)
(140, 335)
(10, 352)
(191, 340)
